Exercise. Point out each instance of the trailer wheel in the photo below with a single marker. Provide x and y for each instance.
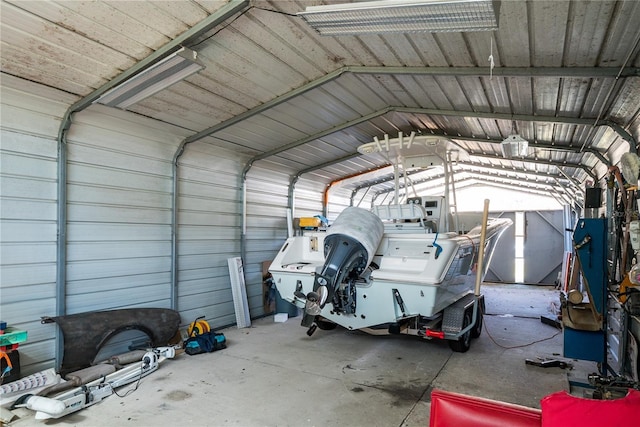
(477, 328)
(325, 325)
(462, 344)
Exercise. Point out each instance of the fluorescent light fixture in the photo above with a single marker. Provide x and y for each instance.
(403, 16)
(161, 75)
(514, 145)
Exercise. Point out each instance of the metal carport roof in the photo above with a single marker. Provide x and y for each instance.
(566, 79)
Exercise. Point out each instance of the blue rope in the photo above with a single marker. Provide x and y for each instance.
(437, 246)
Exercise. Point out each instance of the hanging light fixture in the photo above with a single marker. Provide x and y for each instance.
(161, 75)
(403, 16)
(514, 145)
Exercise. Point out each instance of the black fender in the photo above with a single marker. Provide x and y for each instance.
(85, 333)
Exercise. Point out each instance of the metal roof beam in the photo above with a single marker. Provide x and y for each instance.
(525, 184)
(537, 144)
(525, 118)
(574, 182)
(586, 72)
(313, 137)
(347, 124)
(542, 190)
(479, 175)
(576, 197)
(482, 180)
(553, 181)
(383, 180)
(294, 179)
(553, 191)
(570, 72)
(509, 170)
(540, 162)
(184, 39)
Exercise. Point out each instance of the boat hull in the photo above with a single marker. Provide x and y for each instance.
(412, 274)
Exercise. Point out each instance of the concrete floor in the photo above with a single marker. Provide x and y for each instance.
(273, 374)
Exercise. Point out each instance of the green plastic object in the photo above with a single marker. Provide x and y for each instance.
(12, 336)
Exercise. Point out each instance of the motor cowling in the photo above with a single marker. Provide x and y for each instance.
(350, 246)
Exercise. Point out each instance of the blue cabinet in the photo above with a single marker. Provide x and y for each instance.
(585, 323)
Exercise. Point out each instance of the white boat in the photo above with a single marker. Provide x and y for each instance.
(398, 268)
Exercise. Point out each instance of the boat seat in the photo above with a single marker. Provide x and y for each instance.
(405, 212)
(461, 410)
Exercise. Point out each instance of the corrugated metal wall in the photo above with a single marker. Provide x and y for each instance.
(267, 201)
(308, 198)
(28, 229)
(266, 205)
(119, 199)
(209, 221)
(119, 217)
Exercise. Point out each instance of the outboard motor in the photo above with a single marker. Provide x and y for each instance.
(349, 247)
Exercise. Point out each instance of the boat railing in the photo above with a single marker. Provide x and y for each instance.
(403, 212)
(408, 215)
